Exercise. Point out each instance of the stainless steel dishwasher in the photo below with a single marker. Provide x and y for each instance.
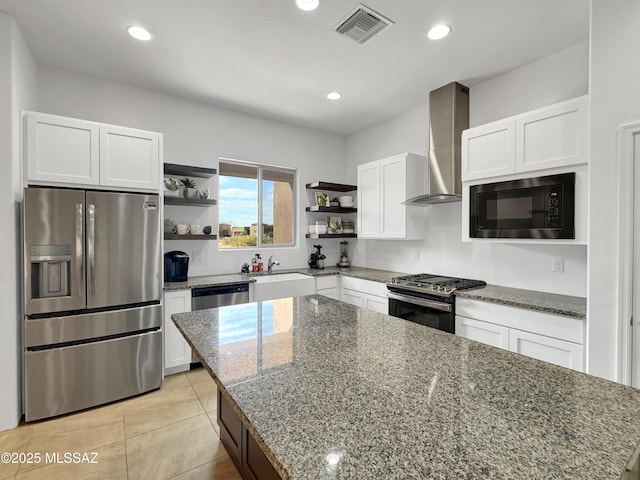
(218, 296)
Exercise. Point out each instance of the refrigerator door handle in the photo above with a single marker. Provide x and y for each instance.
(80, 248)
(91, 252)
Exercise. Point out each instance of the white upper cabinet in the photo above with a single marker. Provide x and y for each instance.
(488, 150)
(549, 137)
(368, 219)
(552, 137)
(382, 187)
(129, 158)
(63, 150)
(69, 152)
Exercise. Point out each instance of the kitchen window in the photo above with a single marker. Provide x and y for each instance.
(256, 205)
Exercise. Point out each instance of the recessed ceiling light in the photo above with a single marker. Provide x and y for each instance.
(439, 31)
(307, 5)
(139, 33)
(334, 95)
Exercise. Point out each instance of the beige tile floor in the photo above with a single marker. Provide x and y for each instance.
(167, 434)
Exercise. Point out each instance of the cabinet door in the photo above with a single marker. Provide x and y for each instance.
(552, 350)
(393, 173)
(483, 332)
(61, 150)
(177, 353)
(552, 137)
(488, 150)
(353, 297)
(329, 292)
(129, 158)
(376, 304)
(369, 192)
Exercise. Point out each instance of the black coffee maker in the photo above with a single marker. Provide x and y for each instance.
(316, 260)
(176, 266)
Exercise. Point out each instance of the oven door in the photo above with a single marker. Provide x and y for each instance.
(433, 313)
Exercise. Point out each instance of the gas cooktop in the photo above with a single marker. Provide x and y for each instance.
(433, 284)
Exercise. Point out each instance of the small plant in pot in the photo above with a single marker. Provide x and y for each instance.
(188, 187)
(171, 187)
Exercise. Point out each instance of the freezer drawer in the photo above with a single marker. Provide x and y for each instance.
(63, 380)
(74, 328)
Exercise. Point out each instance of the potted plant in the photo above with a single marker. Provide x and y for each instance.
(188, 187)
(171, 187)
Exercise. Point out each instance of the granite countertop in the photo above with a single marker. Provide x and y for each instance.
(330, 390)
(515, 297)
(530, 299)
(234, 278)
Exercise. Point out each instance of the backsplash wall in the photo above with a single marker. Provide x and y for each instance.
(443, 252)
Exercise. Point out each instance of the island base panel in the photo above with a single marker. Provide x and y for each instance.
(248, 457)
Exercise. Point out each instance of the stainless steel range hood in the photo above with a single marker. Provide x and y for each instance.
(448, 117)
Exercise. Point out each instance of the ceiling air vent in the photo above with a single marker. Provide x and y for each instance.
(362, 24)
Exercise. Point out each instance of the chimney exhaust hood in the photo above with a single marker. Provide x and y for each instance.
(448, 117)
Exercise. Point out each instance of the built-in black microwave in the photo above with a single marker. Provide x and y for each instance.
(540, 207)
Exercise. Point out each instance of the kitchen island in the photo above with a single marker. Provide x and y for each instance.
(330, 390)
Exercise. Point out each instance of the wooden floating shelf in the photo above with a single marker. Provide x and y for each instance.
(331, 235)
(319, 209)
(175, 236)
(334, 187)
(188, 170)
(196, 202)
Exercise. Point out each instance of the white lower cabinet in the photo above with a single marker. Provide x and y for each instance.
(483, 332)
(177, 352)
(364, 293)
(328, 286)
(552, 338)
(552, 350)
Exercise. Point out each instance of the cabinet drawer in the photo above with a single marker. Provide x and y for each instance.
(367, 286)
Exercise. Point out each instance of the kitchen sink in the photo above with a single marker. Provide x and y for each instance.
(269, 287)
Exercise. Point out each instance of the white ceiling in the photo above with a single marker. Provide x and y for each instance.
(268, 58)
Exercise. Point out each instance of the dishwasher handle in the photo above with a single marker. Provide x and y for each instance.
(219, 290)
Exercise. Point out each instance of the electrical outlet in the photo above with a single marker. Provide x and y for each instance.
(196, 256)
(355, 252)
(416, 256)
(557, 265)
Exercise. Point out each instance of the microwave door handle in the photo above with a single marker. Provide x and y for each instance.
(91, 242)
(422, 302)
(80, 280)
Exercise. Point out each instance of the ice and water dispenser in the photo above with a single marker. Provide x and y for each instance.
(50, 268)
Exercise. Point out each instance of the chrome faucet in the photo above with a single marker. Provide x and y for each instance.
(271, 263)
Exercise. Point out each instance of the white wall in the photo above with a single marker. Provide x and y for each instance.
(615, 100)
(17, 91)
(443, 252)
(197, 134)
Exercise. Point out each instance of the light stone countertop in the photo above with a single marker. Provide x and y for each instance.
(541, 301)
(330, 390)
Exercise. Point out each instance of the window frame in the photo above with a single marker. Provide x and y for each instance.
(295, 216)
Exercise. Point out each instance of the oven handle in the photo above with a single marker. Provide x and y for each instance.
(444, 307)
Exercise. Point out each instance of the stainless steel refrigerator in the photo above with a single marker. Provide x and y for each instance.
(92, 289)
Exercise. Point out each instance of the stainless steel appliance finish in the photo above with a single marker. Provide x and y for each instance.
(92, 290)
(448, 117)
(538, 207)
(219, 296)
(427, 299)
(71, 378)
(437, 285)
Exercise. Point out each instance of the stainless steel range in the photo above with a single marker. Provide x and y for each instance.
(427, 299)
